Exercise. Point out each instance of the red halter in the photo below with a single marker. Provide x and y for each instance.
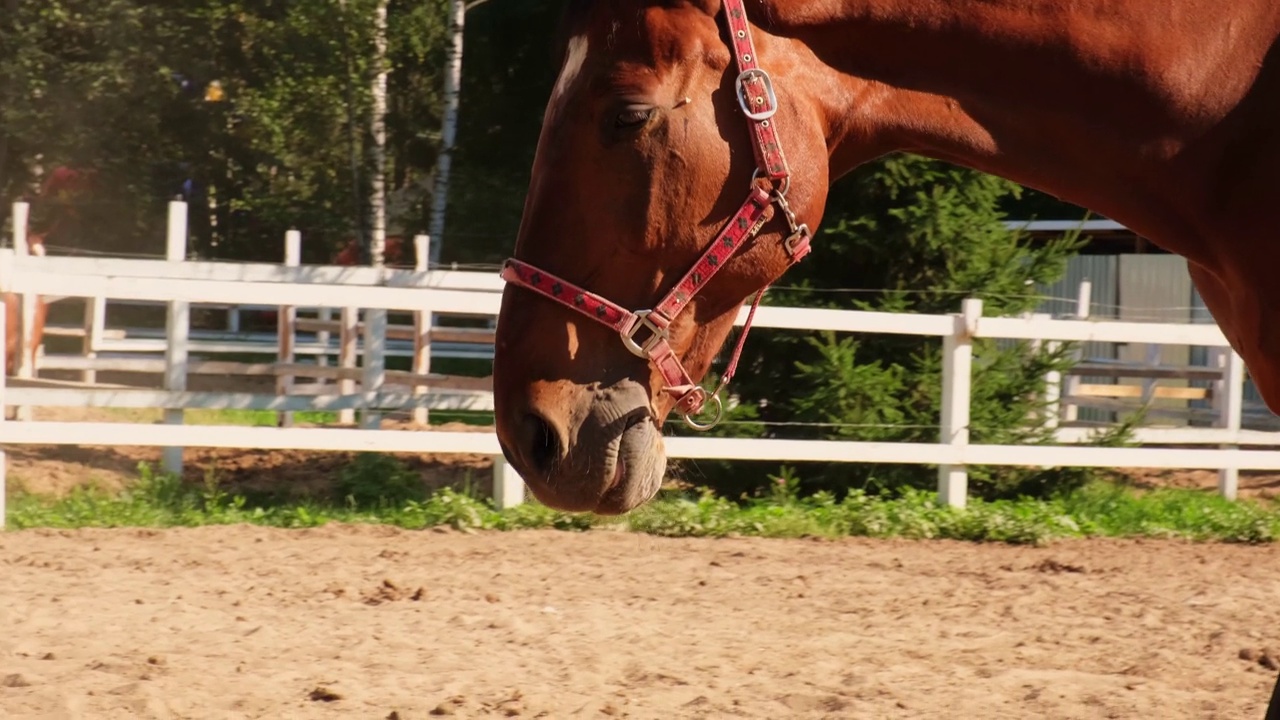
(759, 104)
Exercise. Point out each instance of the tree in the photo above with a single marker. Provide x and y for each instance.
(905, 234)
(77, 89)
(378, 128)
(449, 126)
(506, 81)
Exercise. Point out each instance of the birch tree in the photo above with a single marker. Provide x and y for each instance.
(449, 125)
(378, 183)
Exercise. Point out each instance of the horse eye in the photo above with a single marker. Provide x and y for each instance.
(633, 117)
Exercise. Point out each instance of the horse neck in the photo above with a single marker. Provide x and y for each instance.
(1087, 100)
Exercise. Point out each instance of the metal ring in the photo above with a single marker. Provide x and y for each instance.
(703, 427)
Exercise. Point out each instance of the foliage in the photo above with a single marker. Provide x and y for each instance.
(906, 234)
(254, 110)
(377, 480)
(1096, 509)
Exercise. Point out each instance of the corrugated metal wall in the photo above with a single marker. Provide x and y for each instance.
(1060, 300)
(1141, 288)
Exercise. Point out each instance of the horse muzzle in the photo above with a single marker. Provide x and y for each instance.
(585, 450)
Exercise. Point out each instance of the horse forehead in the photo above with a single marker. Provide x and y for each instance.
(652, 34)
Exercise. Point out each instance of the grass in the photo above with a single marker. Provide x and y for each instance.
(377, 490)
(270, 418)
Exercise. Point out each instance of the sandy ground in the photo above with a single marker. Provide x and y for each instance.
(373, 622)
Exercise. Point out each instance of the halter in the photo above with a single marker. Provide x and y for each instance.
(756, 97)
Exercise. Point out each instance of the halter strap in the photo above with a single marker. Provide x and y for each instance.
(759, 104)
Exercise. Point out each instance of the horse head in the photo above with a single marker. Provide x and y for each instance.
(636, 248)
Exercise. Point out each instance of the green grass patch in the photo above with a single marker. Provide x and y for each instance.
(256, 418)
(376, 489)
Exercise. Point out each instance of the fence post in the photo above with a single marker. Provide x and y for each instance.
(957, 378)
(286, 325)
(177, 330)
(375, 363)
(95, 326)
(1229, 394)
(422, 320)
(24, 335)
(324, 315)
(347, 333)
(1070, 411)
(508, 488)
(1052, 412)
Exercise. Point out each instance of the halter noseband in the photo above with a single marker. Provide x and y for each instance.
(756, 97)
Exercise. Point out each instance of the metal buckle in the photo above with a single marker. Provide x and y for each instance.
(657, 335)
(802, 232)
(745, 103)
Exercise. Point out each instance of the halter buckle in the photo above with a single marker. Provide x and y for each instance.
(797, 244)
(656, 335)
(745, 102)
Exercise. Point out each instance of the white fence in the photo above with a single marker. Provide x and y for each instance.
(180, 284)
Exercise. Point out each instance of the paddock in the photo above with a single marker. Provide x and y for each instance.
(374, 622)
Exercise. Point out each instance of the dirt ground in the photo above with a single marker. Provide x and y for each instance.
(374, 622)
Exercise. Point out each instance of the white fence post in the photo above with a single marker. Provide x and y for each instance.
(177, 330)
(375, 363)
(1084, 298)
(422, 320)
(508, 488)
(1052, 379)
(324, 315)
(1230, 394)
(286, 325)
(24, 333)
(347, 338)
(95, 326)
(957, 379)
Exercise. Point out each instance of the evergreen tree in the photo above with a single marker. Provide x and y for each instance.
(904, 234)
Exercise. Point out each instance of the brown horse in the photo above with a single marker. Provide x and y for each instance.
(13, 317)
(1164, 115)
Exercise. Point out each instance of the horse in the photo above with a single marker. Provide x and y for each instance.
(13, 317)
(636, 248)
(395, 253)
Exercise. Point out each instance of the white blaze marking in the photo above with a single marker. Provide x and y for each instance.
(573, 58)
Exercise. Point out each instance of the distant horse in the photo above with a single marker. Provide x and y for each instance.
(395, 253)
(637, 247)
(13, 317)
(58, 192)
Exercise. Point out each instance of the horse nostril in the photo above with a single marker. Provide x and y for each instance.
(542, 442)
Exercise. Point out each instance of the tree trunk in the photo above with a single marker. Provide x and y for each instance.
(378, 183)
(449, 129)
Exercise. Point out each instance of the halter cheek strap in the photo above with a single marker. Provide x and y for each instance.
(646, 333)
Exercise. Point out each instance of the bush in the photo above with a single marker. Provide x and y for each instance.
(375, 480)
(905, 234)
